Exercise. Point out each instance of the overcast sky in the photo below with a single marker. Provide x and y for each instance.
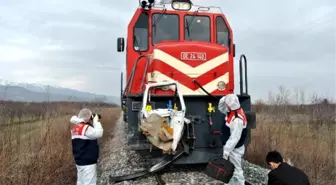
(72, 43)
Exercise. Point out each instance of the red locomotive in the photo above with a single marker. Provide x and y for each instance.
(194, 46)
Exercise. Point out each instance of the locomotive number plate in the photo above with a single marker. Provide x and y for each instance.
(193, 56)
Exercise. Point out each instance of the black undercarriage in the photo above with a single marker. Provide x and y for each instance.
(203, 140)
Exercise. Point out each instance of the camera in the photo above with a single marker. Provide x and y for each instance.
(94, 115)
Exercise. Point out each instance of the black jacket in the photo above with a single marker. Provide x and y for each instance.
(287, 175)
(84, 148)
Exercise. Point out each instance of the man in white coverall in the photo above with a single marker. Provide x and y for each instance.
(84, 134)
(233, 135)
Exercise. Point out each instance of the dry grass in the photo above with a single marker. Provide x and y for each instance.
(303, 133)
(40, 152)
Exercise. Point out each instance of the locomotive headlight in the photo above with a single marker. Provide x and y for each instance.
(166, 87)
(181, 5)
(221, 86)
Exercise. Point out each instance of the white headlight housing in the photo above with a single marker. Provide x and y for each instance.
(181, 5)
(166, 87)
(221, 86)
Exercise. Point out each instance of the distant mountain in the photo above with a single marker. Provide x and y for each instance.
(37, 92)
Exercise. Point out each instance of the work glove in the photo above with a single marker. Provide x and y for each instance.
(96, 119)
(75, 120)
(226, 154)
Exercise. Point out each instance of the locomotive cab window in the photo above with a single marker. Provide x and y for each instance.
(140, 33)
(165, 27)
(222, 32)
(197, 28)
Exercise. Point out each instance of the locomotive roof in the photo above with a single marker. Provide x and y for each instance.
(204, 9)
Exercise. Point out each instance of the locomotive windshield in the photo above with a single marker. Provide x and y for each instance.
(197, 28)
(165, 27)
(140, 37)
(222, 32)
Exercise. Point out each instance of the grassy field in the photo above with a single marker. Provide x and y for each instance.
(305, 134)
(38, 150)
(35, 143)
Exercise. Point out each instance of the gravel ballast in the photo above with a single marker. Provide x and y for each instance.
(120, 161)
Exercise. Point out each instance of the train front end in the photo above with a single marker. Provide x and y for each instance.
(193, 46)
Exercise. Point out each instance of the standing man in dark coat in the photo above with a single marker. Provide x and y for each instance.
(282, 173)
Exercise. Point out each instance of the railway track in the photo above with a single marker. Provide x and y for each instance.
(157, 171)
(248, 183)
(190, 168)
(160, 181)
(158, 175)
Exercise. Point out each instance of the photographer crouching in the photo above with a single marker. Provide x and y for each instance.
(84, 135)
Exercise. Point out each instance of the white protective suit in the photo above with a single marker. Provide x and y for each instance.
(87, 174)
(225, 105)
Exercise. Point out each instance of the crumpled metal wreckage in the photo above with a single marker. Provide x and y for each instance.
(158, 132)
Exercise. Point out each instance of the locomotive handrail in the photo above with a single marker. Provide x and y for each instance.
(241, 74)
(145, 74)
(121, 88)
(194, 7)
(200, 86)
(128, 85)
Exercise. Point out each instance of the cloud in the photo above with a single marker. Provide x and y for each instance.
(77, 81)
(11, 53)
(61, 40)
(73, 43)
